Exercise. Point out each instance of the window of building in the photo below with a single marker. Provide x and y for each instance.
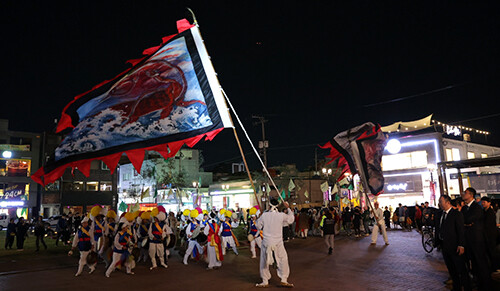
(92, 186)
(456, 154)
(484, 156)
(72, 185)
(15, 167)
(417, 159)
(471, 155)
(126, 176)
(104, 166)
(106, 186)
(52, 186)
(449, 155)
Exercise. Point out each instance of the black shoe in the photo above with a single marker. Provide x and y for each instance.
(330, 251)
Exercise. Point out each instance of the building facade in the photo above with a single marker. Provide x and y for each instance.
(19, 158)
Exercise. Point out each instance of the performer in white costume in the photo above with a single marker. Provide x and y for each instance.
(380, 224)
(158, 230)
(84, 241)
(271, 222)
(228, 238)
(192, 230)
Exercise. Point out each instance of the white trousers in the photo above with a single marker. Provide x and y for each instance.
(212, 257)
(228, 240)
(83, 261)
(281, 261)
(376, 230)
(257, 241)
(192, 244)
(156, 250)
(116, 258)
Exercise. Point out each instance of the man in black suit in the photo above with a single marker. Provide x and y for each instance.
(475, 239)
(450, 233)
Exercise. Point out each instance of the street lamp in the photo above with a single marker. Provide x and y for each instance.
(225, 187)
(326, 171)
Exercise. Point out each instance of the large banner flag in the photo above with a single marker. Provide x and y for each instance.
(168, 98)
(371, 142)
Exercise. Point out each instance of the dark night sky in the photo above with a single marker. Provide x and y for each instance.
(317, 64)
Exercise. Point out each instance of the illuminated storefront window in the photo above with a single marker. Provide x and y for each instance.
(92, 186)
(15, 167)
(413, 160)
(471, 155)
(484, 156)
(73, 186)
(106, 186)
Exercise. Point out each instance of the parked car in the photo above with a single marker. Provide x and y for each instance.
(4, 221)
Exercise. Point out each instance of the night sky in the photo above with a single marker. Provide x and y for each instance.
(309, 67)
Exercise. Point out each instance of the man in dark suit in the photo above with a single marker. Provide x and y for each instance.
(450, 233)
(475, 239)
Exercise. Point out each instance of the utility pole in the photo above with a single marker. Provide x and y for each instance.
(263, 145)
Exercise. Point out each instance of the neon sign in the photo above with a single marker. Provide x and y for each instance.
(400, 186)
(453, 130)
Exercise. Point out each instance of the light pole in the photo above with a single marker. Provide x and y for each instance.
(195, 201)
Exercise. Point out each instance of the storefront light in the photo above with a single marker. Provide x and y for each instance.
(7, 154)
(393, 146)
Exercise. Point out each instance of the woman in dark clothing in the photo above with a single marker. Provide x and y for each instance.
(356, 221)
(328, 227)
(21, 234)
(39, 233)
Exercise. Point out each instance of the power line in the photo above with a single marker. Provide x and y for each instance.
(476, 118)
(413, 96)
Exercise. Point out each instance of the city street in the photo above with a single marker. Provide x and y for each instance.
(354, 265)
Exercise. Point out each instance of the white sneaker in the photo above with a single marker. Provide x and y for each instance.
(262, 285)
(164, 266)
(253, 257)
(107, 275)
(154, 267)
(185, 263)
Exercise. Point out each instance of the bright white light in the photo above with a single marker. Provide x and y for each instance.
(393, 146)
(4, 204)
(400, 186)
(7, 154)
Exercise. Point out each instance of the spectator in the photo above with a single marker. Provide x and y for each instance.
(387, 218)
(474, 239)
(451, 235)
(347, 220)
(39, 233)
(21, 233)
(366, 221)
(10, 234)
(356, 220)
(62, 229)
(303, 223)
(418, 217)
(490, 231)
(401, 215)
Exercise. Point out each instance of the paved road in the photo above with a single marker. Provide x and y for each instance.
(354, 265)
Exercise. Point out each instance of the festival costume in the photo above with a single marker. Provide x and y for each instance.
(214, 245)
(380, 225)
(257, 238)
(121, 252)
(143, 235)
(228, 237)
(193, 246)
(157, 233)
(98, 231)
(84, 240)
(271, 223)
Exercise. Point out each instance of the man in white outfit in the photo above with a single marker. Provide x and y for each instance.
(379, 225)
(271, 222)
(192, 242)
(158, 231)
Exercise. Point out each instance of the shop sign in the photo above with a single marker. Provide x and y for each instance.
(14, 147)
(14, 191)
(453, 130)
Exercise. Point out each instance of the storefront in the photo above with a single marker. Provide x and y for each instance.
(232, 195)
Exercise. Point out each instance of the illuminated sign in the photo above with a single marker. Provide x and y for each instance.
(400, 186)
(453, 130)
(4, 204)
(14, 147)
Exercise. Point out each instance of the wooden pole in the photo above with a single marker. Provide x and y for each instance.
(246, 166)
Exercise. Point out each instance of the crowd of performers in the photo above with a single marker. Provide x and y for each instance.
(133, 237)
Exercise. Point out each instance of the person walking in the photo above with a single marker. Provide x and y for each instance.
(21, 233)
(451, 235)
(62, 228)
(84, 241)
(10, 234)
(379, 225)
(271, 223)
(40, 233)
(347, 220)
(474, 239)
(328, 227)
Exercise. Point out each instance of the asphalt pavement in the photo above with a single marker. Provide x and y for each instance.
(354, 265)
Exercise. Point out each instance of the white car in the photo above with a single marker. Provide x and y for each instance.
(4, 221)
